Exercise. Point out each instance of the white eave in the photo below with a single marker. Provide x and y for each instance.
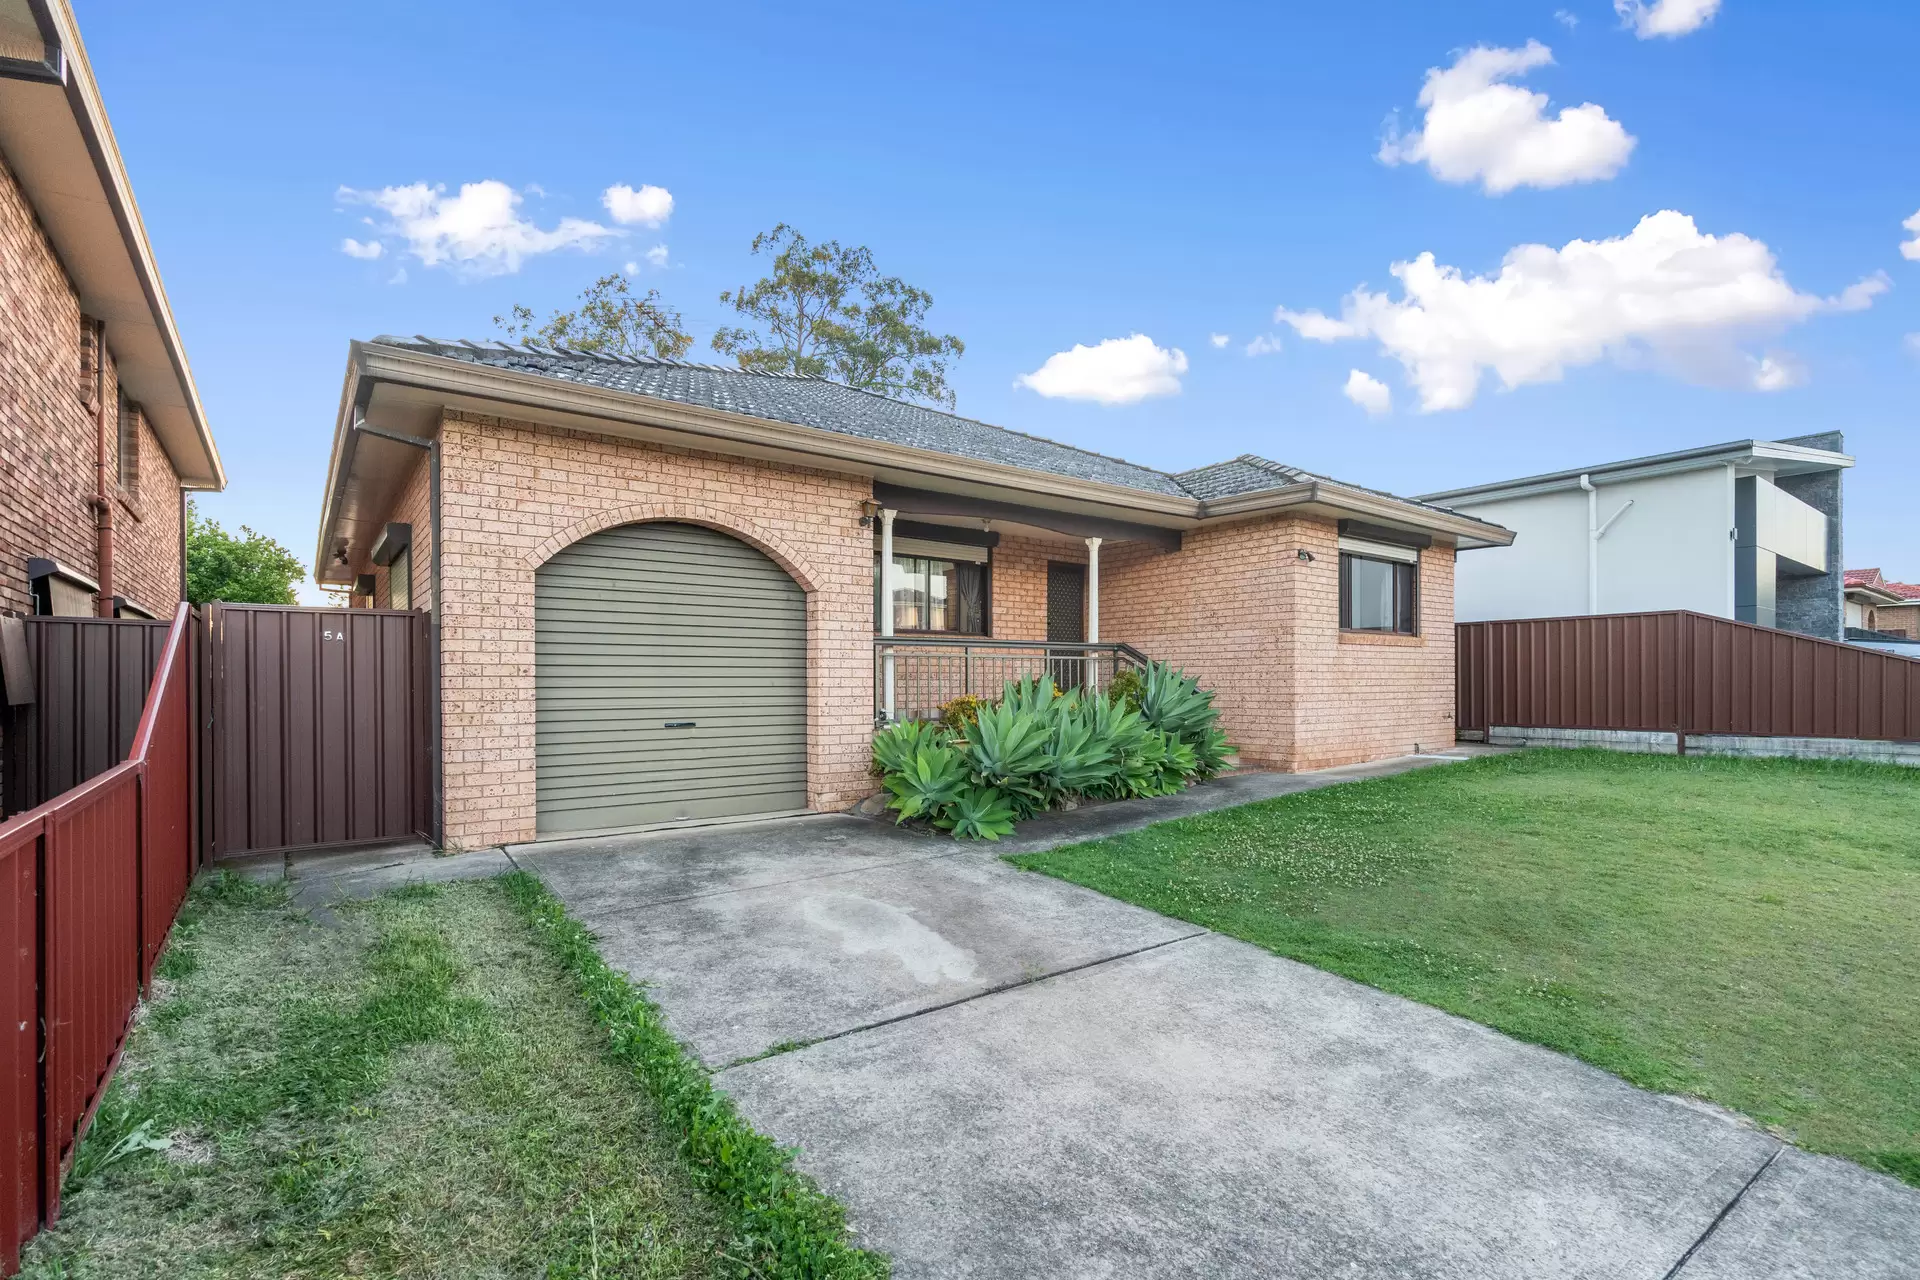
(55, 137)
(1770, 456)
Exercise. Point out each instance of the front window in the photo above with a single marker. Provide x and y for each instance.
(1378, 595)
(932, 594)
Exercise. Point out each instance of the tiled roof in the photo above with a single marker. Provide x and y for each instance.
(1863, 578)
(1244, 474)
(805, 402)
(1906, 590)
(832, 406)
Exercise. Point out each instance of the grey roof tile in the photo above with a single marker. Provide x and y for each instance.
(807, 402)
(832, 406)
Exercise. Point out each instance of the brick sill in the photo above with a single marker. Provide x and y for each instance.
(1381, 638)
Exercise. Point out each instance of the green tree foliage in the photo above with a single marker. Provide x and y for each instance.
(826, 311)
(250, 569)
(610, 318)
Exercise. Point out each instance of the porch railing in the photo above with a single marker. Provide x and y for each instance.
(914, 676)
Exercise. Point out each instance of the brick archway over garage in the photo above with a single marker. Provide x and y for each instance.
(749, 531)
(514, 494)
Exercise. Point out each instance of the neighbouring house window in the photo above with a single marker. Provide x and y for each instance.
(936, 594)
(128, 442)
(400, 579)
(1379, 593)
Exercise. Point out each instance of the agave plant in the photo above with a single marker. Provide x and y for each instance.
(1036, 696)
(978, 813)
(927, 783)
(1007, 749)
(895, 746)
(1174, 701)
(1079, 755)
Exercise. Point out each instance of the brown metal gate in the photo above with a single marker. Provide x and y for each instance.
(318, 727)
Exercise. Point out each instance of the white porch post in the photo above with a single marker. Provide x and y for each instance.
(886, 612)
(1093, 611)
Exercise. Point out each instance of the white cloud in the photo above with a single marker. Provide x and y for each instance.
(657, 256)
(1565, 19)
(1368, 392)
(399, 276)
(1264, 345)
(366, 250)
(1776, 371)
(632, 268)
(1910, 249)
(479, 231)
(1669, 18)
(1665, 295)
(1912, 343)
(648, 207)
(1116, 371)
(1479, 128)
(1219, 339)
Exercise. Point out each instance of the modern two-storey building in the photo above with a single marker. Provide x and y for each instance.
(1748, 530)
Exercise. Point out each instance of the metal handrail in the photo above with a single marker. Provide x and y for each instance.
(984, 642)
(915, 675)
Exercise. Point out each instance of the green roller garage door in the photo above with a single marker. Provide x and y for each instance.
(670, 677)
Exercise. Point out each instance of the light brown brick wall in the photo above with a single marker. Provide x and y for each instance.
(1904, 619)
(1020, 583)
(47, 437)
(512, 494)
(413, 507)
(1238, 609)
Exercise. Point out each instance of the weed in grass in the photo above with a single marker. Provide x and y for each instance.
(1741, 930)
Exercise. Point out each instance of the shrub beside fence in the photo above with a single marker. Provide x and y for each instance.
(1680, 672)
(90, 882)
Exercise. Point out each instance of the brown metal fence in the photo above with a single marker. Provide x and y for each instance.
(1680, 672)
(318, 727)
(90, 882)
(90, 680)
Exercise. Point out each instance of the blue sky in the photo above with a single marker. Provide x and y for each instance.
(1076, 174)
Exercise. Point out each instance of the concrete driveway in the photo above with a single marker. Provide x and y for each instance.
(1006, 1075)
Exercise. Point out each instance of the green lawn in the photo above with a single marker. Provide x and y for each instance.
(1744, 931)
(421, 1091)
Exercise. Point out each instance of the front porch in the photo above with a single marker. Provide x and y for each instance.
(971, 594)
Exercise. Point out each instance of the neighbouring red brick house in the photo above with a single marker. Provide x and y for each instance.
(1874, 604)
(101, 429)
(658, 592)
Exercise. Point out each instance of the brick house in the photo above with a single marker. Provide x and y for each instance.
(101, 429)
(1876, 605)
(657, 594)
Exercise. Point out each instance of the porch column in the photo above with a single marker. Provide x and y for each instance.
(886, 612)
(1093, 611)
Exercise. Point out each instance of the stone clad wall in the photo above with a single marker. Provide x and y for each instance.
(512, 494)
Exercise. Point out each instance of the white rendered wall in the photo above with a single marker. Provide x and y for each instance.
(1670, 550)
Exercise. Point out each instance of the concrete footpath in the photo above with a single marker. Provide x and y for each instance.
(1002, 1074)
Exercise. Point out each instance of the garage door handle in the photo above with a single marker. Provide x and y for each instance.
(678, 724)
